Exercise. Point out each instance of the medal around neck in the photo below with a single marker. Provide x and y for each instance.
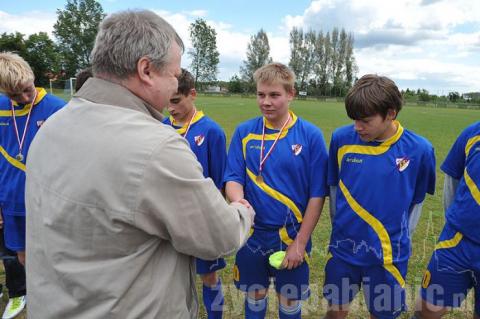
(276, 259)
(19, 157)
(259, 179)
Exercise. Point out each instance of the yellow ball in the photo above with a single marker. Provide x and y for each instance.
(276, 259)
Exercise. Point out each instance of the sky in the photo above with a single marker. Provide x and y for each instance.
(429, 44)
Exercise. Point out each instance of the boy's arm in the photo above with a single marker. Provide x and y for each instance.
(450, 185)
(296, 250)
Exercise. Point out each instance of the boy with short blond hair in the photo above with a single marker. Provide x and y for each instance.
(278, 163)
(23, 109)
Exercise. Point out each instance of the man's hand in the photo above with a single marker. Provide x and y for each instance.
(246, 204)
(295, 255)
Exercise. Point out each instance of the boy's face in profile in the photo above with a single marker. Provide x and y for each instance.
(273, 101)
(180, 106)
(375, 127)
(23, 94)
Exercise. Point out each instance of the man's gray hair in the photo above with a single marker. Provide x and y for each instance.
(125, 37)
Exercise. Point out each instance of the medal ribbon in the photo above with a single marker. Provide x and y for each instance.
(20, 142)
(263, 159)
(189, 124)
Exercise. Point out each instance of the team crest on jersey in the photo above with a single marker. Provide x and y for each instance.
(402, 163)
(199, 139)
(296, 149)
(40, 123)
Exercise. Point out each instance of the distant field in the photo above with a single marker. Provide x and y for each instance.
(440, 125)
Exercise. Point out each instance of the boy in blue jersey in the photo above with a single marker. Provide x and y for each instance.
(454, 268)
(23, 109)
(207, 141)
(278, 163)
(379, 174)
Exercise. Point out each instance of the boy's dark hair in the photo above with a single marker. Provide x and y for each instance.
(186, 82)
(371, 95)
(83, 76)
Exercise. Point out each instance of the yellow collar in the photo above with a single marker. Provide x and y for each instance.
(183, 129)
(40, 95)
(393, 139)
(292, 122)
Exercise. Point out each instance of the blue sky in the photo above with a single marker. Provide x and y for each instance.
(431, 44)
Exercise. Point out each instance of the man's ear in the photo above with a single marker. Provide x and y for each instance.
(144, 70)
(193, 93)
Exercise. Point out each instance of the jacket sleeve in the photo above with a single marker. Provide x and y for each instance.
(176, 203)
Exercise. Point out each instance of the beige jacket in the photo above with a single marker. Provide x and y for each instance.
(116, 207)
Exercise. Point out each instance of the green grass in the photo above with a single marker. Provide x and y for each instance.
(440, 125)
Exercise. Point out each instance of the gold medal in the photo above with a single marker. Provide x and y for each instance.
(259, 179)
(19, 157)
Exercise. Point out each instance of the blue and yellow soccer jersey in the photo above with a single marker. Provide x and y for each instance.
(463, 163)
(12, 171)
(207, 140)
(294, 172)
(377, 185)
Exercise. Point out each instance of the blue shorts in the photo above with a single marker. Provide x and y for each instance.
(252, 270)
(208, 266)
(453, 270)
(384, 295)
(14, 231)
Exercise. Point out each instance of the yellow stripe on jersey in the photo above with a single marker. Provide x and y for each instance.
(277, 195)
(471, 141)
(288, 241)
(450, 243)
(268, 137)
(12, 160)
(370, 150)
(40, 95)
(183, 129)
(472, 187)
(379, 230)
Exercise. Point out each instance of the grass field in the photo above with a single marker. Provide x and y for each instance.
(440, 125)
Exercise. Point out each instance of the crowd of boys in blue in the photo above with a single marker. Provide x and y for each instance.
(377, 174)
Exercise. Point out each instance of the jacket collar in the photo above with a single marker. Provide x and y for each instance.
(105, 92)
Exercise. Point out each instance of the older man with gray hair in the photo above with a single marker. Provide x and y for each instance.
(117, 205)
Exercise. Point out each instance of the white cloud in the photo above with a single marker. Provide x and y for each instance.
(413, 41)
(28, 23)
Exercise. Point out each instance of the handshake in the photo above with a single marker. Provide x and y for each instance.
(243, 202)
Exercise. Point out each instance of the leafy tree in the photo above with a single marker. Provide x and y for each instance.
(75, 30)
(454, 96)
(43, 56)
(296, 48)
(235, 85)
(258, 54)
(204, 54)
(13, 42)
